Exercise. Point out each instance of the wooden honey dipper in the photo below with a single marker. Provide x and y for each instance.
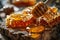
(39, 9)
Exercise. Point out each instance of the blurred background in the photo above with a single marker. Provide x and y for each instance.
(7, 5)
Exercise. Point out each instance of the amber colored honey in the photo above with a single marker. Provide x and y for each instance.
(19, 23)
(22, 3)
